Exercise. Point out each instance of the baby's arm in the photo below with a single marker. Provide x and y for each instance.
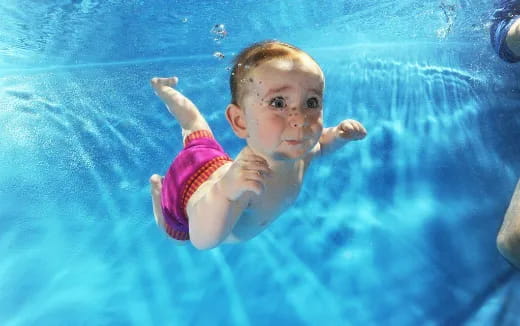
(513, 38)
(213, 215)
(508, 240)
(335, 137)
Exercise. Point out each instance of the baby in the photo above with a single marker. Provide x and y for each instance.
(276, 107)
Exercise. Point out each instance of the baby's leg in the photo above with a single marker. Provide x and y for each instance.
(155, 189)
(179, 106)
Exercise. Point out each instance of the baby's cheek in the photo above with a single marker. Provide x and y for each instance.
(279, 122)
(316, 122)
(273, 127)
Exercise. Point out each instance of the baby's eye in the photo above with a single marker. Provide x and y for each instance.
(313, 103)
(278, 102)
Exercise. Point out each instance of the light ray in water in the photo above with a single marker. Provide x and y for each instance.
(103, 64)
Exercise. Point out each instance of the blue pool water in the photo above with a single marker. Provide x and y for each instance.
(398, 229)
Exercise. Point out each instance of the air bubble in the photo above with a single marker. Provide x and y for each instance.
(219, 30)
(219, 55)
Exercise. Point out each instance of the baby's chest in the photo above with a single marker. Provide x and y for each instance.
(276, 197)
(263, 210)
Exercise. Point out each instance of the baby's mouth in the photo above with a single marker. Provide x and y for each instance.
(294, 142)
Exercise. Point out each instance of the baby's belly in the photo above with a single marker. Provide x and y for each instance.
(249, 225)
(254, 221)
(263, 210)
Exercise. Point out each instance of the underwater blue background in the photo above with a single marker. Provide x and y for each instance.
(397, 229)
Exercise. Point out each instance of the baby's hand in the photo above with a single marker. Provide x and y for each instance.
(247, 173)
(351, 130)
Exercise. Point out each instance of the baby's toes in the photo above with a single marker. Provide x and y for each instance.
(158, 82)
(172, 81)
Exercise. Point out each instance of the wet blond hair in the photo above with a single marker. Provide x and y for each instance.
(252, 56)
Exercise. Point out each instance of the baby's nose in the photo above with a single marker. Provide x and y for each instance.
(296, 118)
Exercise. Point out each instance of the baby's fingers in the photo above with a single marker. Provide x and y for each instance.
(240, 179)
(251, 161)
(253, 179)
(255, 187)
(255, 183)
(257, 166)
(358, 128)
(346, 125)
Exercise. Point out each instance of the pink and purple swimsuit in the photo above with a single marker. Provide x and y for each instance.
(202, 155)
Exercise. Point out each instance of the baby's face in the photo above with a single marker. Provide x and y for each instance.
(283, 107)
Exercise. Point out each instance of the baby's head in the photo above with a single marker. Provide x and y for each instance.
(253, 56)
(276, 103)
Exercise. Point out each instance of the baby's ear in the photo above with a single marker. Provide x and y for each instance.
(236, 118)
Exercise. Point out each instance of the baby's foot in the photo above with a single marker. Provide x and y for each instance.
(162, 85)
(155, 189)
